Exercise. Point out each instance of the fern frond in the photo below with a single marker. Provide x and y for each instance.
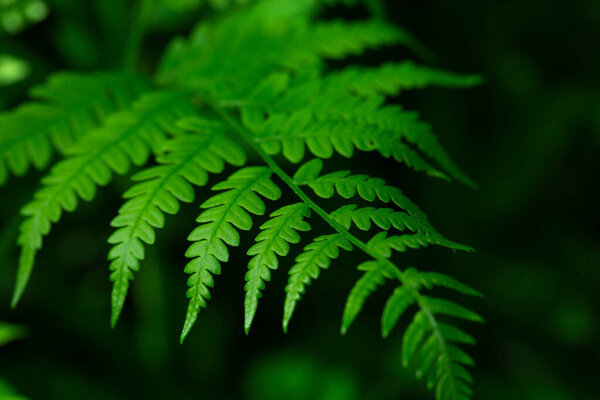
(290, 42)
(391, 78)
(334, 121)
(401, 243)
(67, 107)
(272, 241)
(286, 37)
(394, 308)
(224, 213)
(376, 272)
(127, 137)
(432, 279)
(316, 255)
(430, 345)
(258, 72)
(371, 189)
(339, 39)
(187, 160)
(384, 218)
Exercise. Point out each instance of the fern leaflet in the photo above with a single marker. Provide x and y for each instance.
(224, 213)
(187, 160)
(317, 255)
(68, 107)
(391, 78)
(330, 117)
(127, 137)
(370, 189)
(276, 233)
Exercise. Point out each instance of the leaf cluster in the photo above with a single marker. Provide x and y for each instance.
(257, 76)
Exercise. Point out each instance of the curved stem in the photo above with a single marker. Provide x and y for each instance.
(248, 137)
(136, 34)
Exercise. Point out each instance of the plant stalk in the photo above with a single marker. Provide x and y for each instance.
(247, 136)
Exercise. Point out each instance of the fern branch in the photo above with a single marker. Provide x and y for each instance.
(68, 106)
(276, 233)
(188, 160)
(340, 123)
(378, 270)
(316, 255)
(126, 138)
(338, 39)
(223, 213)
(370, 189)
(287, 42)
(391, 78)
(294, 186)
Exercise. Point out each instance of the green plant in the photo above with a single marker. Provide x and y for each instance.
(255, 79)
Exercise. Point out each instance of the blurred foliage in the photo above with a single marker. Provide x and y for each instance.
(530, 138)
(299, 377)
(16, 15)
(12, 70)
(9, 333)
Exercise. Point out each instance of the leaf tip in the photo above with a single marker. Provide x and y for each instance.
(15, 300)
(184, 334)
(23, 274)
(18, 293)
(114, 318)
(286, 323)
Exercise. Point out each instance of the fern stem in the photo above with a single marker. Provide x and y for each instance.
(136, 34)
(248, 137)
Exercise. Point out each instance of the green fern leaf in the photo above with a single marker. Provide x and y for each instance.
(429, 347)
(429, 344)
(375, 276)
(340, 123)
(395, 306)
(371, 189)
(287, 42)
(126, 138)
(258, 72)
(224, 213)
(384, 218)
(273, 241)
(67, 107)
(431, 279)
(391, 78)
(187, 160)
(316, 255)
(447, 307)
(328, 119)
(339, 39)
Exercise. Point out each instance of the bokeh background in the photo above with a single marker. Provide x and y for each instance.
(530, 137)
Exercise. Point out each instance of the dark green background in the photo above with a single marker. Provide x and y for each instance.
(529, 136)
